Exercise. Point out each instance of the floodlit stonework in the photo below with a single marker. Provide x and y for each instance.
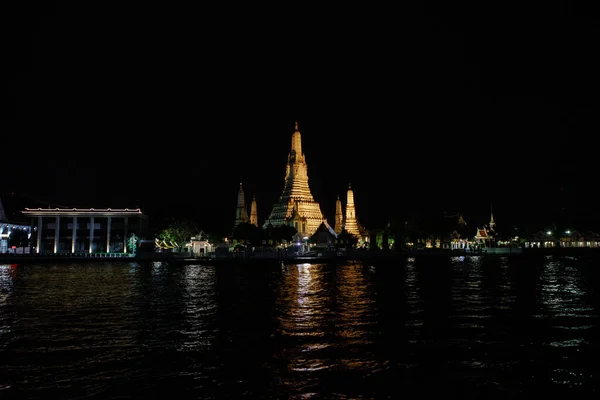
(351, 223)
(296, 206)
(241, 215)
(339, 216)
(348, 221)
(253, 212)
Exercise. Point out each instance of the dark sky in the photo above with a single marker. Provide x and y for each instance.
(422, 113)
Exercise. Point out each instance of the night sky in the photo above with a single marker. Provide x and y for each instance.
(171, 109)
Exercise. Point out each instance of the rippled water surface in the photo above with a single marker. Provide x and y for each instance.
(458, 327)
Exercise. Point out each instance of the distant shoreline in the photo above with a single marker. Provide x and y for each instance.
(245, 258)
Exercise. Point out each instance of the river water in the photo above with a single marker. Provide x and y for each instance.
(451, 327)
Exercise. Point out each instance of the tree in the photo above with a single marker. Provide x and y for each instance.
(214, 238)
(132, 243)
(347, 239)
(283, 232)
(178, 233)
(247, 232)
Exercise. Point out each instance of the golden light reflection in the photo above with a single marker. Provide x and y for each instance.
(327, 312)
(304, 308)
(356, 307)
(304, 318)
(357, 310)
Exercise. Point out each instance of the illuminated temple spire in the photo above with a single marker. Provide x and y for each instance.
(241, 214)
(296, 152)
(351, 223)
(492, 223)
(253, 212)
(339, 216)
(296, 206)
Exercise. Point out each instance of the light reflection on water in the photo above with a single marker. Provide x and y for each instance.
(468, 327)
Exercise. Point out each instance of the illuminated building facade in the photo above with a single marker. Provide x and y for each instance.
(485, 236)
(73, 230)
(569, 239)
(296, 206)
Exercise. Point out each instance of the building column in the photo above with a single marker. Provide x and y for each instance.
(31, 230)
(91, 234)
(56, 232)
(3, 246)
(108, 234)
(39, 235)
(74, 241)
(125, 235)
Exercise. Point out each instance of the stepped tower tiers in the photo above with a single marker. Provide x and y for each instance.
(253, 212)
(296, 205)
(339, 216)
(241, 215)
(351, 224)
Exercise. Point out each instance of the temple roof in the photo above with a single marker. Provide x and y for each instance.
(481, 233)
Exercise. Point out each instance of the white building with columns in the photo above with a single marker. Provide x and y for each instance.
(76, 231)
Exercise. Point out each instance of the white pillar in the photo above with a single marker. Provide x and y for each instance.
(39, 235)
(108, 235)
(91, 234)
(74, 241)
(56, 230)
(31, 230)
(3, 243)
(125, 235)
